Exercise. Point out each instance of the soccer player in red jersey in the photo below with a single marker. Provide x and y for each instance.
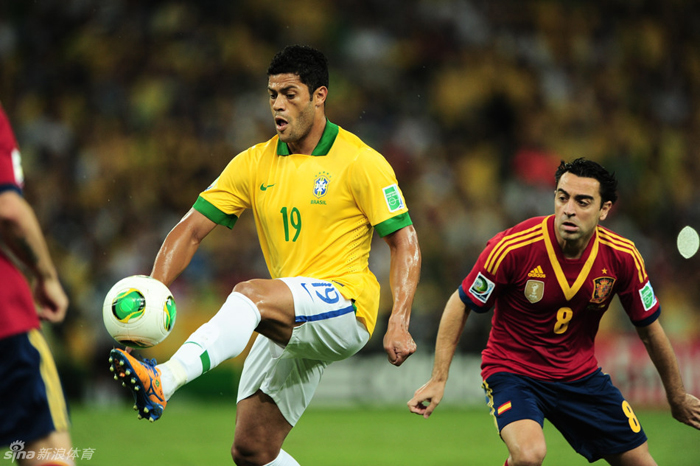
(33, 414)
(551, 279)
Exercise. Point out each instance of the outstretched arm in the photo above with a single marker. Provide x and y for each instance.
(684, 406)
(451, 326)
(404, 276)
(21, 232)
(180, 245)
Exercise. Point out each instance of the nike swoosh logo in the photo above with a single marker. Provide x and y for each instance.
(264, 188)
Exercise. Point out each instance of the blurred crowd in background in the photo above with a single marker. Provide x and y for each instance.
(126, 110)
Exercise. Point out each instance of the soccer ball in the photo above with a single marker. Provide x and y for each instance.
(139, 311)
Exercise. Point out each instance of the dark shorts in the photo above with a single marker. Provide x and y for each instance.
(590, 412)
(32, 405)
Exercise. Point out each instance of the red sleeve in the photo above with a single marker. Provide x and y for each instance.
(637, 295)
(479, 288)
(10, 166)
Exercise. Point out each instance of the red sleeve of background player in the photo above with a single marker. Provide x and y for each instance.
(492, 271)
(479, 289)
(10, 167)
(636, 293)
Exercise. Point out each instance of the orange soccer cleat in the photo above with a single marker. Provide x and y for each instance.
(143, 379)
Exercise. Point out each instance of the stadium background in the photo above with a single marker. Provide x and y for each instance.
(126, 110)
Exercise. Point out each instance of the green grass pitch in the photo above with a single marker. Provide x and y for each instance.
(201, 434)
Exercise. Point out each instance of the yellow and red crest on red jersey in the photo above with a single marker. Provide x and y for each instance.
(602, 289)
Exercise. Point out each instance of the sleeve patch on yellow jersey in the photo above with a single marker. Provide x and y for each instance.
(393, 198)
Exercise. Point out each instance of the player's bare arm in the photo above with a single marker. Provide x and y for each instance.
(20, 230)
(404, 276)
(180, 245)
(452, 324)
(684, 406)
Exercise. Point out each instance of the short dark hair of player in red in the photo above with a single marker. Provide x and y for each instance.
(590, 169)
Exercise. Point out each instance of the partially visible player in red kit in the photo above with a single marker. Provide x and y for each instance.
(33, 413)
(550, 280)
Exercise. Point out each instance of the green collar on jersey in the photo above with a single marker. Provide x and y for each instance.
(324, 144)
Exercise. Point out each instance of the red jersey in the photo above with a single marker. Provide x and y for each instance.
(17, 311)
(547, 307)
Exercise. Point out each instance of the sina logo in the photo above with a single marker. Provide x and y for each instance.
(321, 184)
(16, 451)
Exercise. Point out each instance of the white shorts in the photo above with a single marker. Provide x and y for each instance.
(328, 332)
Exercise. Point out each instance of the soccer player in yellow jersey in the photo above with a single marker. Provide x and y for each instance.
(317, 193)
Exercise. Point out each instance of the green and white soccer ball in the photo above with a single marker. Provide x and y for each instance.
(139, 311)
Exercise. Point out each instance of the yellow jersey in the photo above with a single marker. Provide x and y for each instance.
(314, 214)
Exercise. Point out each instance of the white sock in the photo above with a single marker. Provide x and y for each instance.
(283, 459)
(225, 336)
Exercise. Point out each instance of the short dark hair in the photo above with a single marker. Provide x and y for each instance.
(590, 169)
(306, 62)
